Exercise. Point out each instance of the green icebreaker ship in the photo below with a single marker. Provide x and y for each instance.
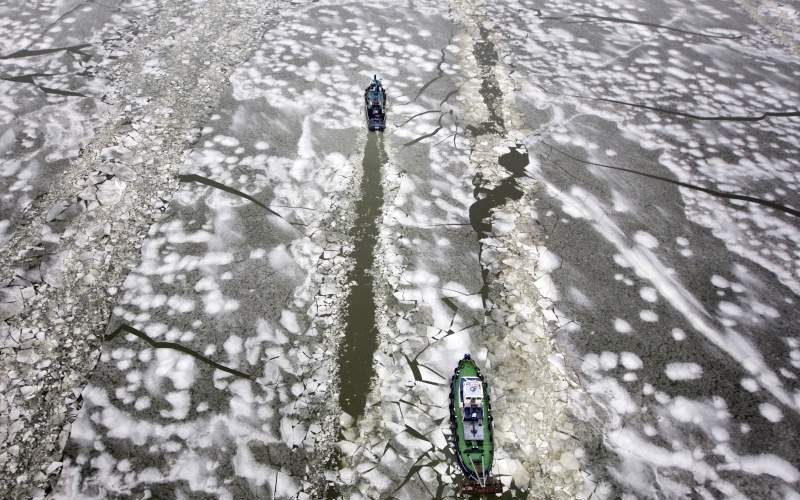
(471, 425)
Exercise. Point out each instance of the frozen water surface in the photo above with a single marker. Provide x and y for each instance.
(598, 200)
(53, 77)
(665, 138)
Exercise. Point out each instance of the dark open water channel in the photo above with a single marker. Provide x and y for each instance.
(361, 337)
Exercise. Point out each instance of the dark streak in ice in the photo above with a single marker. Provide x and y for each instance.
(423, 137)
(592, 17)
(222, 187)
(654, 25)
(417, 115)
(721, 194)
(414, 365)
(30, 79)
(728, 118)
(438, 67)
(32, 53)
(415, 433)
(172, 345)
(429, 134)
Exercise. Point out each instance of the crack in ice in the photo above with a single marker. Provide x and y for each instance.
(158, 344)
(721, 194)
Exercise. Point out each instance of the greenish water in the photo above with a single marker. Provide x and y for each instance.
(361, 337)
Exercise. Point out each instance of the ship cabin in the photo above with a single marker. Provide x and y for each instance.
(472, 408)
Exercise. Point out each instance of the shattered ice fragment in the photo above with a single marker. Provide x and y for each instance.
(27, 356)
(347, 475)
(110, 192)
(548, 261)
(124, 173)
(520, 474)
(10, 302)
(56, 210)
(345, 420)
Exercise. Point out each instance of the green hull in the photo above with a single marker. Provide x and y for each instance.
(474, 456)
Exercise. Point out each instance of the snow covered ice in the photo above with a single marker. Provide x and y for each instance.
(597, 199)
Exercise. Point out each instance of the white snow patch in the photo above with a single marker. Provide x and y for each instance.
(608, 360)
(730, 309)
(622, 326)
(615, 394)
(648, 293)
(233, 345)
(768, 464)
(648, 316)
(749, 384)
(645, 239)
(683, 371)
(720, 282)
(630, 360)
(281, 260)
(770, 412)
(226, 140)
